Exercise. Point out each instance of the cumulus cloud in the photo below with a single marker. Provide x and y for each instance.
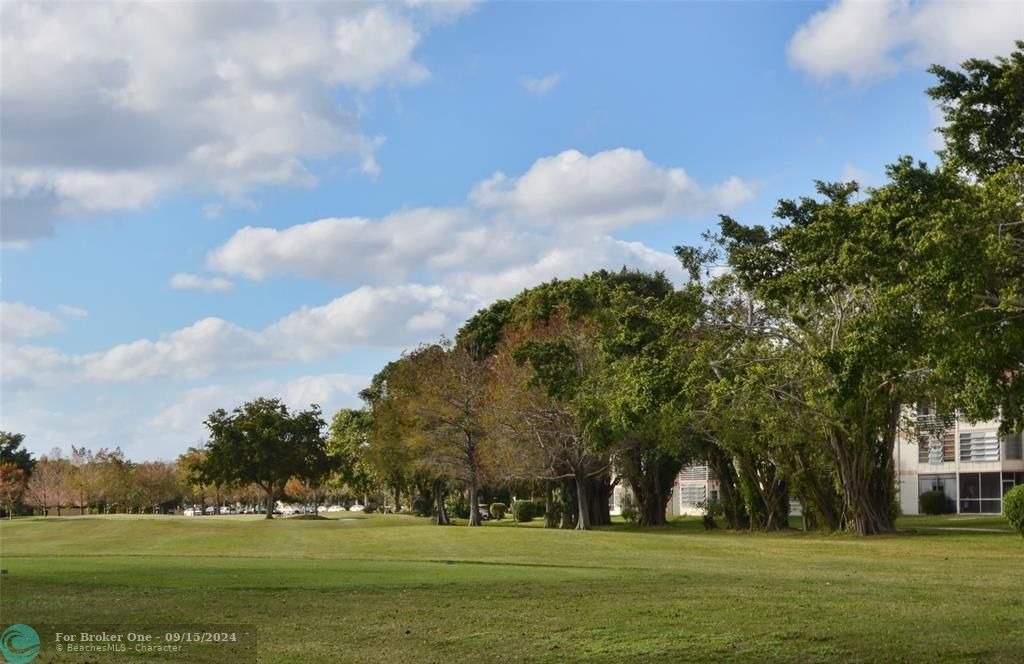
(21, 321)
(192, 406)
(338, 249)
(108, 106)
(379, 317)
(568, 201)
(608, 190)
(863, 41)
(186, 281)
(540, 86)
(183, 417)
(572, 259)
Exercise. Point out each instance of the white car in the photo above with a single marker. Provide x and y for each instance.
(357, 508)
(336, 508)
(192, 512)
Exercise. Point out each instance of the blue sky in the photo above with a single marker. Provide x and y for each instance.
(164, 165)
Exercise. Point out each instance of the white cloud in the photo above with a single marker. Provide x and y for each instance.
(186, 281)
(572, 259)
(74, 313)
(109, 106)
(187, 413)
(540, 86)
(383, 249)
(392, 317)
(568, 201)
(183, 418)
(370, 316)
(609, 190)
(868, 40)
(26, 366)
(21, 321)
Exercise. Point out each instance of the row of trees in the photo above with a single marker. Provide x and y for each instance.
(102, 481)
(788, 372)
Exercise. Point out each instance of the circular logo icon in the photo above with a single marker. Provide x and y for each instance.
(19, 644)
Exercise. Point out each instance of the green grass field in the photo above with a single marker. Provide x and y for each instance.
(396, 589)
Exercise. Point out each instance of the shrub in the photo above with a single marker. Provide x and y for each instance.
(524, 510)
(711, 508)
(1013, 507)
(457, 505)
(933, 502)
(629, 513)
(498, 510)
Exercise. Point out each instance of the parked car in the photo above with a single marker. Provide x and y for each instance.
(336, 508)
(210, 510)
(357, 508)
(485, 514)
(192, 512)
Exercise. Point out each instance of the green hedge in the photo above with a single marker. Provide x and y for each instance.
(498, 510)
(1013, 507)
(527, 510)
(933, 502)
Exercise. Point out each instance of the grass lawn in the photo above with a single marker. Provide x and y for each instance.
(391, 588)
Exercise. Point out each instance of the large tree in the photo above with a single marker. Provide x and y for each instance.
(260, 443)
(48, 483)
(443, 389)
(16, 464)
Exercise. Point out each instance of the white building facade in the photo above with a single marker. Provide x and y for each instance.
(693, 486)
(971, 463)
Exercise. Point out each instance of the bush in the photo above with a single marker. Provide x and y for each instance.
(933, 502)
(629, 513)
(712, 508)
(498, 510)
(1013, 507)
(524, 510)
(457, 505)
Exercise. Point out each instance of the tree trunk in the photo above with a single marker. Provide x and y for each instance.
(867, 480)
(474, 511)
(549, 504)
(582, 501)
(729, 494)
(601, 496)
(569, 507)
(398, 496)
(270, 502)
(440, 514)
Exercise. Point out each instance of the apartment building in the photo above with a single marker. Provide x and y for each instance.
(971, 463)
(693, 486)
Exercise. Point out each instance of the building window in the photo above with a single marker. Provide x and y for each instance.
(944, 483)
(979, 446)
(939, 449)
(981, 493)
(694, 474)
(691, 494)
(1015, 446)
